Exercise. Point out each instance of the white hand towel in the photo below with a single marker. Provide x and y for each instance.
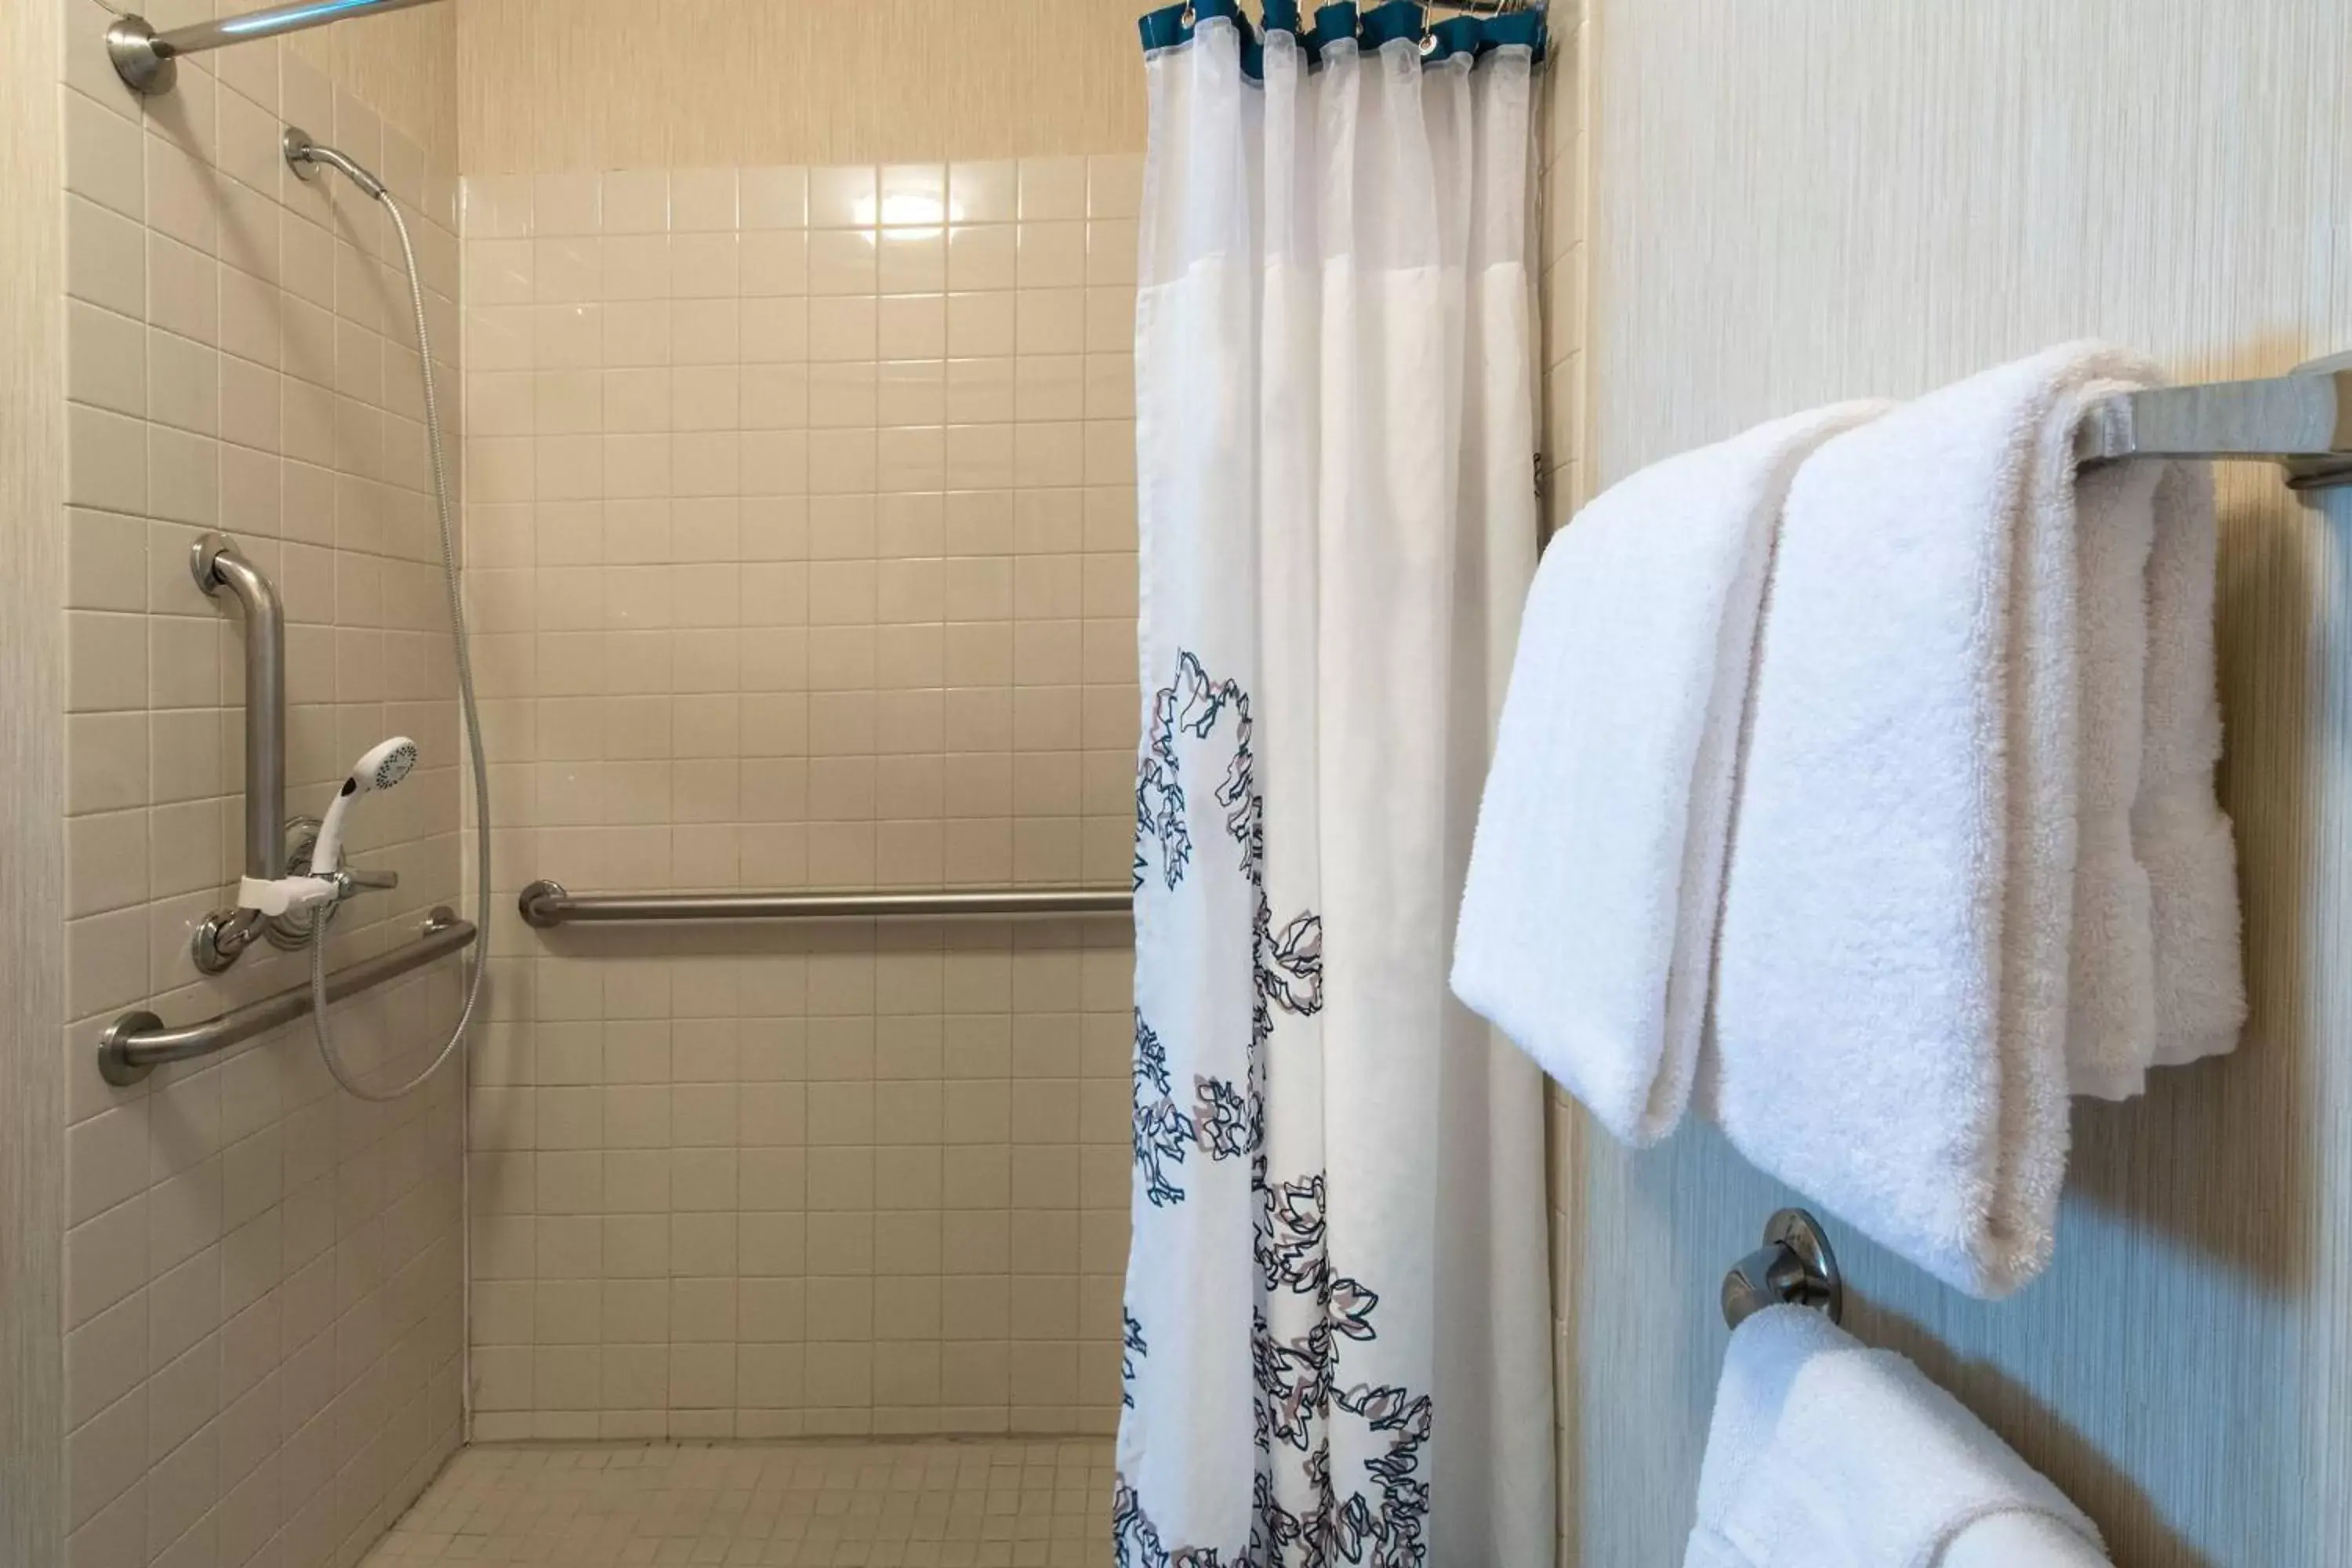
(1892, 1003)
(2178, 828)
(1588, 917)
(1767, 1352)
(1825, 1455)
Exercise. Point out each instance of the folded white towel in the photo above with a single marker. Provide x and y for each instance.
(1892, 1003)
(2020, 1540)
(2158, 975)
(1825, 1455)
(2178, 830)
(1759, 1371)
(1588, 917)
(2111, 996)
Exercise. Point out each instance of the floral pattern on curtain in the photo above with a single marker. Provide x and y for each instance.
(1337, 1325)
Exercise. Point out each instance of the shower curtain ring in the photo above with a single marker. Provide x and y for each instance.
(1428, 45)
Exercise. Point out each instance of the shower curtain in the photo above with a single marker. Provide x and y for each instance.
(1337, 1305)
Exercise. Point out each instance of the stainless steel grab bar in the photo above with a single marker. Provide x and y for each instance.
(142, 56)
(136, 1044)
(546, 904)
(218, 566)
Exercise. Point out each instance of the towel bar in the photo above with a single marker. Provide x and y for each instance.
(1794, 1265)
(2302, 419)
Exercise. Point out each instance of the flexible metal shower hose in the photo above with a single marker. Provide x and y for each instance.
(472, 734)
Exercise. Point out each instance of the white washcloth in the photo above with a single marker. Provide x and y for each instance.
(1588, 917)
(1892, 1004)
(1825, 1455)
(2178, 830)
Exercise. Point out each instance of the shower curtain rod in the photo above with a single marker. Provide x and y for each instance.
(144, 58)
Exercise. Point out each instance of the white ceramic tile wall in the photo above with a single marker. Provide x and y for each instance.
(264, 1289)
(801, 542)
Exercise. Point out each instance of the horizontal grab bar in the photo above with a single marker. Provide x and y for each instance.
(546, 904)
(136, 1044)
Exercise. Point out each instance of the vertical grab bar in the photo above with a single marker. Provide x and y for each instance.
(218, 565)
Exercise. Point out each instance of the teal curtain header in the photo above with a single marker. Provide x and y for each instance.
(1457, 34)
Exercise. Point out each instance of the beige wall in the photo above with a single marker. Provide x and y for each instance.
(801, 553)
(263, 1310)
(551, 85)
(1800, 204)
(402, 65)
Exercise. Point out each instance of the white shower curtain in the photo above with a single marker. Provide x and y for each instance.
(1338, 1345)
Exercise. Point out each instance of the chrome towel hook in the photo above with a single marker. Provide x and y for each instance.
(1794, 1265)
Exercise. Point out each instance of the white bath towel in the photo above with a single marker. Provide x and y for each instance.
(2178, 830)
(1893, 970)
(1825, 1455)
(1588, 919)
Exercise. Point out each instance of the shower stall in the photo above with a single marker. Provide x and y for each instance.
(576, 830)
(708, 522)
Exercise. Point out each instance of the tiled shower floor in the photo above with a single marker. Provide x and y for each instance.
(940, 1504)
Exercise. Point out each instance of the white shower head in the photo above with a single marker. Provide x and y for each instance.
(381, 768)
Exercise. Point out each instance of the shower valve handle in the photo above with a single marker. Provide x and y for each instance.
(351, 880)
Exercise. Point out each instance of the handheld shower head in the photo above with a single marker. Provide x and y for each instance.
(303, 155)
(381, 768)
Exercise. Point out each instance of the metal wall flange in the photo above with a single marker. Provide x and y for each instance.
(204, 561)
(2327, 473)
(1794, 1267)
(297, 146)
(114, 1063)
(144, 67)
(534, 900)
(219, 940)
